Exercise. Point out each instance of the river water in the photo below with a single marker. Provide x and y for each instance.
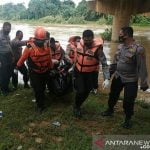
(63, 32)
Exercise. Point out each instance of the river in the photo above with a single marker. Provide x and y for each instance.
(63, 32)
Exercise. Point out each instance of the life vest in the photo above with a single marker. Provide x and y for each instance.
(40, 59)
(87, 60)
(72, 48)
(57, 53)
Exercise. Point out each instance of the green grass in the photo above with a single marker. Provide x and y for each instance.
(22, 125)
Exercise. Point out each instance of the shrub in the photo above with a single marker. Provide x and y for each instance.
(109, 20)
(101, 21)
(76, 20)
(141, 20)
(106, 35)
(51, 19)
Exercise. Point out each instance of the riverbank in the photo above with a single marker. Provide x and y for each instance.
(23, 126)
(90, 23)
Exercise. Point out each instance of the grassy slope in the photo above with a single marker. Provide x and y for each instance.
(23, 125)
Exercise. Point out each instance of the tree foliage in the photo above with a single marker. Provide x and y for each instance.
(10, 11)
(59, 10)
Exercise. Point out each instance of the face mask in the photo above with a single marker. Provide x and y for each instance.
(88, 44)
(122, 39)
(39, 43)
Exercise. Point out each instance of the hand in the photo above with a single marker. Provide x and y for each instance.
(106, 84)
(55, 61)
(144, 88)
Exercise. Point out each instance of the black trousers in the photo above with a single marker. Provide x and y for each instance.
(95, 79)
(84, 84)
(24, 71)
(5, 75)
(39, 81)
(130, 93)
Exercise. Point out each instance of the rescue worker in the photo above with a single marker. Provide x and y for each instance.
(57, 51)
(130, 63)
(71, 47)
(39, 63)
(6, 58)
(89, 55)
(16, 45)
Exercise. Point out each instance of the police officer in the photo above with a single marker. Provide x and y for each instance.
(130, 63)
(16, 45)
(39, 63)
(6, 58)
(89, 54)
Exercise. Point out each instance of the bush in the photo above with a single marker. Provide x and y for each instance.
(101, 21)
(109, 20)
(51, 19)
(76, 20)
(141, 20)
(60, 19)
(106, 35)
(106, 20)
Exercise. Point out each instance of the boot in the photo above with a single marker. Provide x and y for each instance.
(108, 113)
(77, 112)
(26, 86)
(127, 123)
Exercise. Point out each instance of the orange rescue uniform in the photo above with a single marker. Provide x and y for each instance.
(87, 59)
(39, 59)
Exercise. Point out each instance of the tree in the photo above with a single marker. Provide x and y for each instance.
(68, 9)
(35, 9)
(82, 10)
(11, 11)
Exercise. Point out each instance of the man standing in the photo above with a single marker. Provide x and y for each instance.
(16, 45)
(6, 58)
(39, 63)
(130, 63)
(89, 55)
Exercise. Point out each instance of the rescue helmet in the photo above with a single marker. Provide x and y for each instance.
(40, 33)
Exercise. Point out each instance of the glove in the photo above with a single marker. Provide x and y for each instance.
(16, 71)
(144, 88)
(106, 84)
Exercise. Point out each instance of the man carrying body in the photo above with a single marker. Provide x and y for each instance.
(39, 63)
(89, 55)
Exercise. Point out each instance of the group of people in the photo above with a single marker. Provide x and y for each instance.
(85, 54)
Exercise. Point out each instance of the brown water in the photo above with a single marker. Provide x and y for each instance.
(63, 32)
